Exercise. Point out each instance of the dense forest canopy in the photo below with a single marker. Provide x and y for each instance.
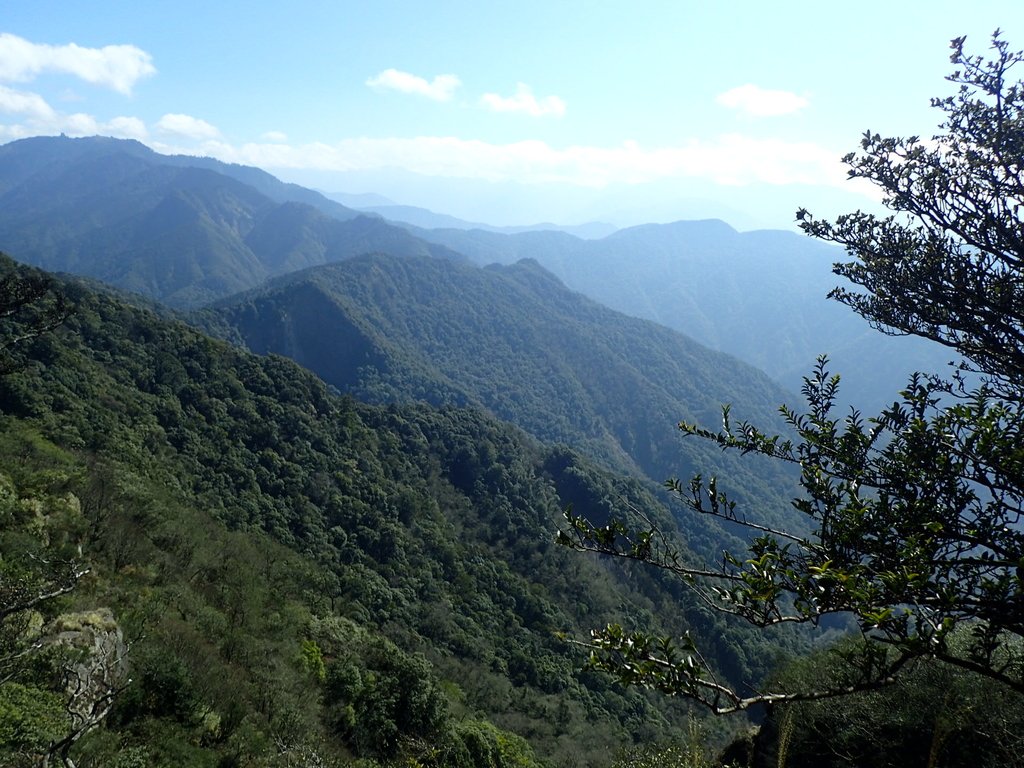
(515, 341)
(238, 519)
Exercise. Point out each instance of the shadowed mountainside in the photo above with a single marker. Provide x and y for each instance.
(515, 341)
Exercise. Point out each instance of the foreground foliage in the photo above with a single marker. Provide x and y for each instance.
(916, 512)
(934, 714)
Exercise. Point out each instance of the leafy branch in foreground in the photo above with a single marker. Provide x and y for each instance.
(914, 515)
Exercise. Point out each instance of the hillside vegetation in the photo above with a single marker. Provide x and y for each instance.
(515, 341)
(297, 573)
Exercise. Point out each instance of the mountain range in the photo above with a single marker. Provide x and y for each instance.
(759, 295)
(188, 231)
(336, 531)
(180, 230)
(237, 515)
(514, 341)
(427, 219)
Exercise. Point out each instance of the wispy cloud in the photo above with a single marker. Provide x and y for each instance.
(730, 160)
(277, 137)
(441, 88)
(761, 102)
(187, 127)
(524, 101)
(118, 67)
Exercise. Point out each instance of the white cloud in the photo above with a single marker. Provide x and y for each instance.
(39, 119)
(114, 66)
(13, 132)
(761, 102)
(731, 160)
(79, 124)
(126, 128)
(524, 101)
(31, 105)
(187, 127)
(441, 88)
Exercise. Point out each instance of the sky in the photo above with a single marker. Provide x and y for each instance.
(505, 112)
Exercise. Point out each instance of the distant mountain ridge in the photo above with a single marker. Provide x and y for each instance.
(427, 219)
(22, 159)
(759, 295)
(187, 231)
(181, 230)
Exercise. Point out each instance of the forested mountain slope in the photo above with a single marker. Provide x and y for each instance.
(178, 229)
(758, 295)
(516, 341)
(298, 573)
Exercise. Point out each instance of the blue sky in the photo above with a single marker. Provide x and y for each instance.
(507, 112)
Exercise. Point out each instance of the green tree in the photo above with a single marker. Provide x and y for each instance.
(29, 307)
(384, 699)
(914, 515)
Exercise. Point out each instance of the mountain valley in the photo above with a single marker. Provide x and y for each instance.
(317, 466)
